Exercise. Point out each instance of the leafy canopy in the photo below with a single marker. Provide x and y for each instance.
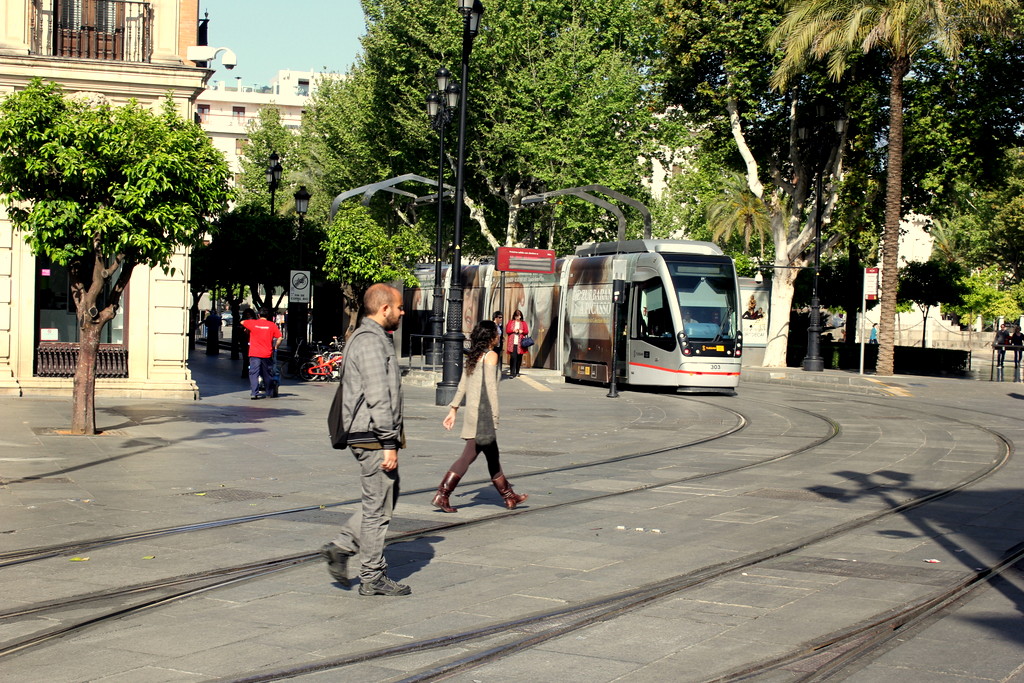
(82, 180)
(359, 252)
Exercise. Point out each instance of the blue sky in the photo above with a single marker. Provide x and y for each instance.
(304, 35)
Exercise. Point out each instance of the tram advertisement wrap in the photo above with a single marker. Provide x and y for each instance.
(755, 302)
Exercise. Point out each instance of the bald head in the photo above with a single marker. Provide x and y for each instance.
(378, 295)
(383, 303)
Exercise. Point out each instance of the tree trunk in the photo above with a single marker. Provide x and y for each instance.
(351, 299)
(83, 397)
(893, 213)
(778, 324)
(924, 327)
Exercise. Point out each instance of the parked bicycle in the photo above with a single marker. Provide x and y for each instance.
(325, 365)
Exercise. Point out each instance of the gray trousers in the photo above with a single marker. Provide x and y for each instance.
(366, 528)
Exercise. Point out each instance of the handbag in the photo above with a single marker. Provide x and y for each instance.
(526, 342)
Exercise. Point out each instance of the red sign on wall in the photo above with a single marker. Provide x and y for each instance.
(522, 260)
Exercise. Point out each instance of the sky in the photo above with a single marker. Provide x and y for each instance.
(266, 36)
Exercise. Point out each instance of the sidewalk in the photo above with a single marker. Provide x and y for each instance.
(176, 462)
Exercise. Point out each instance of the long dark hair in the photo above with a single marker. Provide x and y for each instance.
(480, 340)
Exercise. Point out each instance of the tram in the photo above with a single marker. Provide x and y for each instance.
(678, 322)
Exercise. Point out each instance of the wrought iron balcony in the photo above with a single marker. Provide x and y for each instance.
(108, 30)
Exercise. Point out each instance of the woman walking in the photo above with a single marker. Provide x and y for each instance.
(479, 384)
(516, 330)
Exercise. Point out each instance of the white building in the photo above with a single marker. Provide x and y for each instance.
(227, 108)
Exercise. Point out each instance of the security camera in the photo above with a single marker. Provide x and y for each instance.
(228, 59)
(205, 53)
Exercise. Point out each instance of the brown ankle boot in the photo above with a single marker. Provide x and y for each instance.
(448, 484)
(505, 489)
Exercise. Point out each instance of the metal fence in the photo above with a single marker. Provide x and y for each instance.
(59, 359)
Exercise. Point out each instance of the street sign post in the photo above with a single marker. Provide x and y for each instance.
(298, 290)
(870, 294)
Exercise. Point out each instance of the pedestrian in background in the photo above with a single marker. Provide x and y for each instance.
(873, 337)
(264, 336)
(479, 385)
(1016, 342)
(212, 323)
(516, 330)
(371, 415)
(1000, 342)
(499, 320)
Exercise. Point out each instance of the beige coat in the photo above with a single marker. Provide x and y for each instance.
(470, 387)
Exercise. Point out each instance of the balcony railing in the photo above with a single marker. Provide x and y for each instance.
(109, 30)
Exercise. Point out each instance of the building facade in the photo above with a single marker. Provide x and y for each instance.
(227, 109)
(115, 50)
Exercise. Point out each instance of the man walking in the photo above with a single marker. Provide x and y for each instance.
(1000, 342)
(264, 336)
(371, 414)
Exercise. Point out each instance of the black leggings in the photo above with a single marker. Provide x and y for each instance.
(515, 361)
(469, 454)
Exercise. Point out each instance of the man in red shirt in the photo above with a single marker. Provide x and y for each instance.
(264, 336)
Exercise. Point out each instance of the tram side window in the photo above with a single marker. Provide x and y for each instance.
(654, 317)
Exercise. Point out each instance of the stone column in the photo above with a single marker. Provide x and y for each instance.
(166, 19)
(14, 36)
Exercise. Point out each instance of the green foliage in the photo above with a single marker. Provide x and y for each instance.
(737, 211)
(82, 181)
(250, 248)
(554, 102)
(358, 252)
(931, 283)
(102, 189)
(984, 296)
(266, 135)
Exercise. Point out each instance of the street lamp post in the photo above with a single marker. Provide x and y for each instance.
(298, 312)
(441, 104)
(813, 362)
(451, 369)
(274, 170)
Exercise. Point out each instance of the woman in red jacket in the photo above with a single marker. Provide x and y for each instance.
(515, 331)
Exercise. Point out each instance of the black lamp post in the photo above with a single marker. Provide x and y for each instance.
(274, 170)
(451, 369)
(813, 362)
(298, 311)
(301, 206)
(441, 104)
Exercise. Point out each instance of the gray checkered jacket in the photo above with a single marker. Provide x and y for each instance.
(372, 374)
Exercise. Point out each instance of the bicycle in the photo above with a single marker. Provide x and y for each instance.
(325, 365)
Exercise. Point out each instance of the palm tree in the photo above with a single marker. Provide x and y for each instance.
(736, 209)
(836, 29)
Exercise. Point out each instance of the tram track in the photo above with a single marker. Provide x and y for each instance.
(25, 555)
(202, 582)
(522, 634)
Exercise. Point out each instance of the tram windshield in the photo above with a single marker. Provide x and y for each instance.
(706, 291)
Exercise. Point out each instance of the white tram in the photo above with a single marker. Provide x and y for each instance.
(678, 323)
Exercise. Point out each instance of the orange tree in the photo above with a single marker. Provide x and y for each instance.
(102, 189)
